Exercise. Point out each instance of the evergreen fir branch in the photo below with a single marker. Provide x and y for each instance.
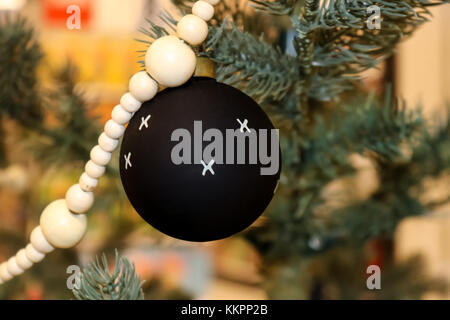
(20, 55)
(73, 134)
(375, 130)
(97, 282)
(341, 44)
(250, 64)
(276, 7)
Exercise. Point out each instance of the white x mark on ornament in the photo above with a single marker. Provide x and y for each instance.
(244, 125)
(128, 161)
(144, 122)
(208, 167)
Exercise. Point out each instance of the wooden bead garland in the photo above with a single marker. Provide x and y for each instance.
(169, 63)
(33, 255)
(203, 9)
(114, 130)
(23, 261)
(13, 268)
(120, 115)
(77, 200)
(39, 241)
(143, 87)
(94, 170)
(61, 227)
(192, 29)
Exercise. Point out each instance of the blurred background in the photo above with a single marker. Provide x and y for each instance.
(96, 63)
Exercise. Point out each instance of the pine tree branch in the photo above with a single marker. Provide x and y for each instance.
(250, 64)
(97, 282)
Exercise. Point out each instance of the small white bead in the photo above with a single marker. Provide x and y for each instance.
(33, 255)
(114, 130)
(130, 103)
(143, 87)
(100, 156)
(87, 183)
(39, 242)
(79, 201)
(23, 261)
(94, 170)
(120, 115)
(4, 273)
(13, 268)
(203, 9)
(62, 228)
(107, 143)
(170, 61)
(213, 2)
(192, 29)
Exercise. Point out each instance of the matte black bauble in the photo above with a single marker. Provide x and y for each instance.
(184, 171)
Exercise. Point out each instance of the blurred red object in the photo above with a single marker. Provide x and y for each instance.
(56, 15)
(34, 292)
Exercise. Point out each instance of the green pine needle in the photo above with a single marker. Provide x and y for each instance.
(97, 282)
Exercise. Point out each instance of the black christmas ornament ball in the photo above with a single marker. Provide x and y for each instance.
(200, 162)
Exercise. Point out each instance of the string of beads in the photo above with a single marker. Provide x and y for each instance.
(169, 62)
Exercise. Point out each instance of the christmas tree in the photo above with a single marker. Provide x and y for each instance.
(312, 243)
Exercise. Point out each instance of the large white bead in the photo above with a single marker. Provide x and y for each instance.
(100, 156)
(23, 261)
(114, 130)
(79, 201)
(170, 61)
(94, 170)
(130, 103)
(39, 242)
(213, 2)
(4, 273)
(203, 9)
(120, 115)
(192, 29)
(87, 183)
(33, 255)
(62, 228)
(142, 86)
(13, 268)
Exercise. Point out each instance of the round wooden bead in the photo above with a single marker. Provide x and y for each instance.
(170, 61)
(23, 261)
(114, 130)
(120, 115)
(39, 242)
(13, 268)
(4, 273)
(87, 183)
(107, 143)
(77, 200)
(94, 170)
(33, 254)
(192, 29)
(203, 9)
(143, 87)
(100, 156)
(213, 2)
(62, 228)
(130, 103)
